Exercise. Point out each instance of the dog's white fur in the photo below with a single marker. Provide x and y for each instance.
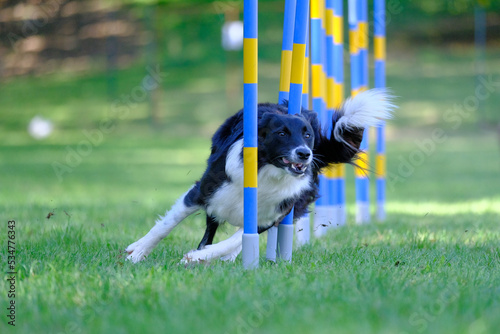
(142, 247)
(367, 109)
(226, 250)
(275, 185)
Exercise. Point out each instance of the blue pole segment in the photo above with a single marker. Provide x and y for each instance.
(288, 25)
(361, 185)
(379, 68)
(250, 205)
(379, 17)
(283, 96)
(295, 99)
(250, 22)
(250, 115)
(301, 18)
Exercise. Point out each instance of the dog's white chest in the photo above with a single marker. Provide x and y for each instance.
(275, 185)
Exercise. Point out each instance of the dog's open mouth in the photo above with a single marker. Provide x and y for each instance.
(297, 168)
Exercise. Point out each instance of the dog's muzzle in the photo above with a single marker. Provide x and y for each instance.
(298, 161)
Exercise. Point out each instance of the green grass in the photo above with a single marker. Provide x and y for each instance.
(432, 267)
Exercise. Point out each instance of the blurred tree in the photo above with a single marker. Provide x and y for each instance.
(456, 7)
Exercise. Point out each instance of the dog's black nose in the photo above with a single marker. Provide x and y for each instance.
(303, 153)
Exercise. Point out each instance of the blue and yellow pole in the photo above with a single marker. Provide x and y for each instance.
(286, 50)
(316, 58)
(379, 50)
(323, 63)
(354, 48)
(303, 225)
(321, 218)
(285, 229)
(330, 173)
(305, 83)
(284, 90)
(363, 42)
(356, 39)
(338, 171)
(250, 242)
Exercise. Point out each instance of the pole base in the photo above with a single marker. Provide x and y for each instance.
(285, 242)
(272, 243)
(323, 219)
(343, 214)
(362, 212)
(303, 230)
(381, 214)
(250, 251)
(337, 216)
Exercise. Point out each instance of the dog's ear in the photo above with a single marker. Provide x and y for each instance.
(311, 117)
(265, 124)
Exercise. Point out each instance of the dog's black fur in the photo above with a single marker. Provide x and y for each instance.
(292, 151)
(279, 134)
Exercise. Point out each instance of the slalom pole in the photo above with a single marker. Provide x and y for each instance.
(303, 224)
(285, 229)
(353, 12)
(284, 90)
(338, 99)
(379, 42)
(286, 50)
(331, 173)
(321, 218)
(362, 181)
(353, 47)
(305, 83)
(362, 9)
(250, 241)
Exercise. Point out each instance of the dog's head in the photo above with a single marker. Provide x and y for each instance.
(287, 141)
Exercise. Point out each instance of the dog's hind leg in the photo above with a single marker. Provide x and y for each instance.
(225, 250)
(208, 238)
(180, 210)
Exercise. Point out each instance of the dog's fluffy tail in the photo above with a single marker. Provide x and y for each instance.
(369, 108)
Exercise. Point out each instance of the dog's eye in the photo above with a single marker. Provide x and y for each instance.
(307, 135)
(282, 134)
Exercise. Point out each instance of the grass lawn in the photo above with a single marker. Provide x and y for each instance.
(432, 267)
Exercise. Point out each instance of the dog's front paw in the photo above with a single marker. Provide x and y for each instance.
(139, 250)
(196, 256)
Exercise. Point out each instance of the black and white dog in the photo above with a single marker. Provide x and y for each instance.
(292, 150)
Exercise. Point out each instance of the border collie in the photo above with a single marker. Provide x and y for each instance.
(292, 151)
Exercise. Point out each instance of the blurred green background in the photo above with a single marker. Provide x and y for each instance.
(119, 155)
(81, 65)
(73, 59)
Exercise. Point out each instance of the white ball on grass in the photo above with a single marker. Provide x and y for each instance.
(40, 128)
